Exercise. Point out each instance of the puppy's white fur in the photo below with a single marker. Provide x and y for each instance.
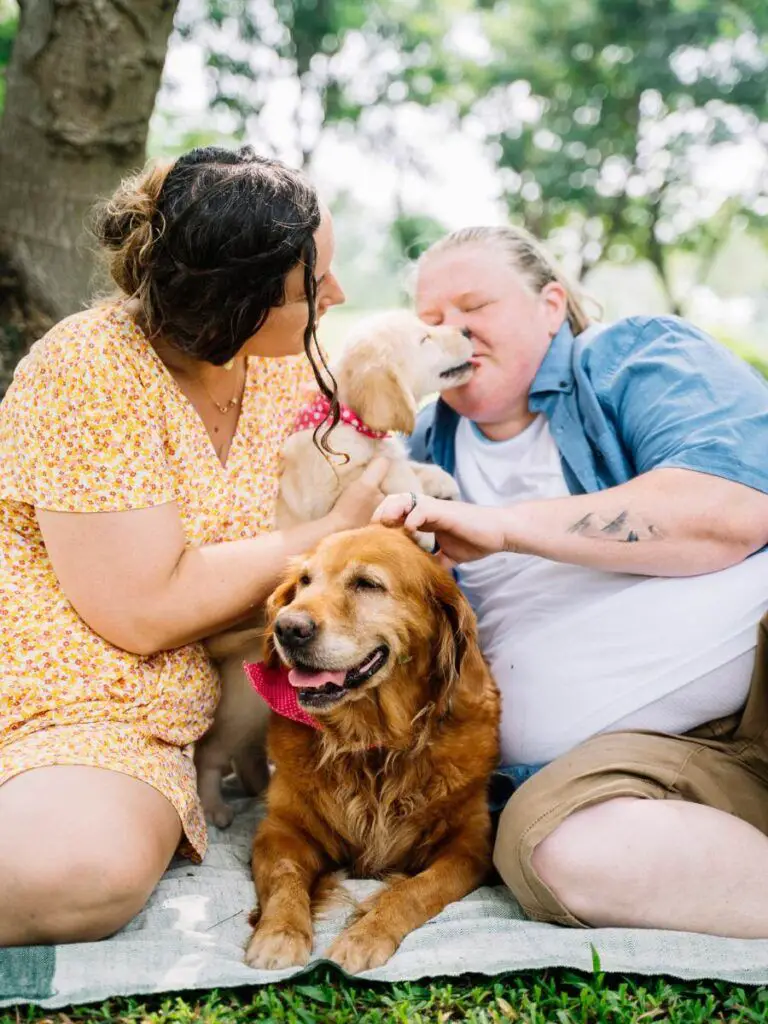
(389, 364)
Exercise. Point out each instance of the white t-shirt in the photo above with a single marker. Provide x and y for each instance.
(578, 651)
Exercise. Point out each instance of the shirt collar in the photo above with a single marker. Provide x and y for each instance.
(556, 370)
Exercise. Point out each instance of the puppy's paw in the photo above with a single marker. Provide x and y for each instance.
(359, 948)
(219, 814)
(437, 483)
(272, 949)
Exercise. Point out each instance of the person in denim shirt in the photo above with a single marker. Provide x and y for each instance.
(611, 539)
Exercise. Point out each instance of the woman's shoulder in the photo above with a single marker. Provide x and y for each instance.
(606, 346)
(633, 328)
(100, 334)
(90, 349)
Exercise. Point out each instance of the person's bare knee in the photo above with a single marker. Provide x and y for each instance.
(78, 900)
(561, 869)
(80, 851)
(581, 860)
(646, 863)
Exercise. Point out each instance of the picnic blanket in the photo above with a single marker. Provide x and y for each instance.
(193, 932)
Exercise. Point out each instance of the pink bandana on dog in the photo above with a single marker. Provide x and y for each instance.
(319, 410)
(272, 684)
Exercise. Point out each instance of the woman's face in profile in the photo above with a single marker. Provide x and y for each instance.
(282, 333)
(474, 287)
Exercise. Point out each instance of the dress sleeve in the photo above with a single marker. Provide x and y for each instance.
(78, 432)
(680, 399)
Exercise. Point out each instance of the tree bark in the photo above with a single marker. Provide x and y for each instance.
(81, 87)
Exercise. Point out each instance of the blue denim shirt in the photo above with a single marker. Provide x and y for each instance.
(640, 394)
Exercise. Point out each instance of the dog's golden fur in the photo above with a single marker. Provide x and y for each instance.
(389, 363)
(394, 784)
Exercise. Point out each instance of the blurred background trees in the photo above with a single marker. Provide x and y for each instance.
(631, 134)
(79, 88)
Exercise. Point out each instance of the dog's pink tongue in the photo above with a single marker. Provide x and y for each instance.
(311, 680)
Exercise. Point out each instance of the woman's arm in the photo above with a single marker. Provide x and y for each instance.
(133, 580)
(667, 522)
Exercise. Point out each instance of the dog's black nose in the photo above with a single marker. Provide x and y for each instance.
(466, 332)
(294, 629)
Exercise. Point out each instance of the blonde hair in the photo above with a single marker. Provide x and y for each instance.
(127, 227)
(525, 254)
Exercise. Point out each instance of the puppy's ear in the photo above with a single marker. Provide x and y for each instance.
(455, 633)
(282, 596)
(381, 398)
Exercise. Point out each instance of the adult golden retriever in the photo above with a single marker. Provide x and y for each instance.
(390, 362)
(383, 652)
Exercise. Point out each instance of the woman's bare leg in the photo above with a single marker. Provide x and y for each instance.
(81, 849)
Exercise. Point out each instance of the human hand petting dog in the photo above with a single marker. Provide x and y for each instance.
(463, 532)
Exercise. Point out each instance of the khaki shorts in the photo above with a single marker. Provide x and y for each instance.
(722, 765)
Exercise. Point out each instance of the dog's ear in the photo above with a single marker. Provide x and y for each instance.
(455, 633)
(279, 598)
(381, 398)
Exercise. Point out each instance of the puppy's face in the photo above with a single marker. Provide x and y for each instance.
(441, 358)
(394, 360)
(352, 615)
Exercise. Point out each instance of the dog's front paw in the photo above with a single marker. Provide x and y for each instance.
(219, 813)
(359, 948)
(272, 949)
(437, 483)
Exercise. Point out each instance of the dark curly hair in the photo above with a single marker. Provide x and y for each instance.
(204, 245)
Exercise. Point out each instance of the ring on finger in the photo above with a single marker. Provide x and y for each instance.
(414, 499)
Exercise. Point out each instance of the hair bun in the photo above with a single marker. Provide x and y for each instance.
(126, 225)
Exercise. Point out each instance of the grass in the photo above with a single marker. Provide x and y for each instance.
(559, 996)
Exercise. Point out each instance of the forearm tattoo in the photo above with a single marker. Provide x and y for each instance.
(623, 528)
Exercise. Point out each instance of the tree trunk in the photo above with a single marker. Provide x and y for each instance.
(81, 87)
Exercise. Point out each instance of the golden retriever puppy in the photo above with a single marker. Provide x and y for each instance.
(389, 780)
(389, 364)
(238, 735)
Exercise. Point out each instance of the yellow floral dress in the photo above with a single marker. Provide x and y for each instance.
(94, 422)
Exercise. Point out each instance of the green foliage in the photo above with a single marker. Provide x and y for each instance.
(9, 21)
(414, 233)
(608, 105)
(596, 112)
(324, 998)
(345, 57)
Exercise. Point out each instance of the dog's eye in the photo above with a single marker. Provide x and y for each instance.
(304, 579)
(365, 583)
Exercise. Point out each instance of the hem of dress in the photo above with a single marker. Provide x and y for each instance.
(186, 848)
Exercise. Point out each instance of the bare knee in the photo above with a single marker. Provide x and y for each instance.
(569, 873)
(83, 899)
(81, 849)
(584, 860)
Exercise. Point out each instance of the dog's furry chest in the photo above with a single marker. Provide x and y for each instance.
(380, 822)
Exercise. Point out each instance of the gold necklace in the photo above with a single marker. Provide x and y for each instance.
(226, 406)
